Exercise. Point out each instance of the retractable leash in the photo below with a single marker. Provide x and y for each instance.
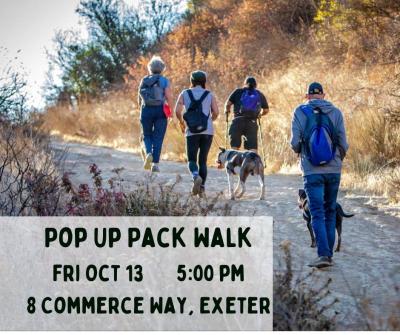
(262, 141)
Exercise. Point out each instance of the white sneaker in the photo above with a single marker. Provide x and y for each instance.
(147, 162)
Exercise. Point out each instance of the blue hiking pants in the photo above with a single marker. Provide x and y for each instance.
(154, 126)
(322, 190)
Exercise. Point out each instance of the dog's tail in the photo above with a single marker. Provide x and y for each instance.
(342, 213)
(253, 161)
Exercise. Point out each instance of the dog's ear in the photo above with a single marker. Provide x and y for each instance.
(301, 193)
(222, 149)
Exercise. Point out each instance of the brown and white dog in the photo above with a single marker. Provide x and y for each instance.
(249, 163)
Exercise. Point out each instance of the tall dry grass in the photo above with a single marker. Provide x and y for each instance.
(29, 172)
(363, 94)
(111, 121)
(280, 43)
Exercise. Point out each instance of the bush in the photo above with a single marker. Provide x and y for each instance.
(297, 306)
(147, 199)
(29, 179)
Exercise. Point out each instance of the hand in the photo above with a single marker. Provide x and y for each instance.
(226, 116)
(342, 153)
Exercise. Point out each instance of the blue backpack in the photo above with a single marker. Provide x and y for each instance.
(320, 136)
(194, 117)
(250, 104)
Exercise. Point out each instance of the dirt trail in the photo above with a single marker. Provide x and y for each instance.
(367, 267)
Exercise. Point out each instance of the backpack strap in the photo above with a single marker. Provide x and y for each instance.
(319, 115)
(151, 84)
(157, 81)
(307, 110)
(203, 96)
(190, 94)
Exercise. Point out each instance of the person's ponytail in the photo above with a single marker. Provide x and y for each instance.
(250, 83)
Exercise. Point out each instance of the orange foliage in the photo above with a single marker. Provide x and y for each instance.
(278, 42)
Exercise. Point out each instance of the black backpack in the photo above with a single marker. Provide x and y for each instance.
(194, 117)
(151, 91)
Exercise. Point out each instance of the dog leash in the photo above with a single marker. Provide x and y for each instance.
(262, 141)
(226, 129)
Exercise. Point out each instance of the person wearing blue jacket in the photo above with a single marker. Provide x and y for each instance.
(321, 183)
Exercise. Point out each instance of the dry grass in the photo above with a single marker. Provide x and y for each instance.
(354, 54)
(162, 200)
(112, 121)
(364, 97)
(29, 176)
(297, 304)
(372, 322)
(306, 303)
(147, 199)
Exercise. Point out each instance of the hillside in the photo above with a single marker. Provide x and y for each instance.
(349, 46)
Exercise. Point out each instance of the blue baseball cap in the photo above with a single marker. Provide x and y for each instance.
(315, 88)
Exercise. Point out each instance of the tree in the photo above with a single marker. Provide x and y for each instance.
(86, 70)
(117, 35)
(366, 30)
(116, 28)
(12, 94)
(161, 16)
(95, 65)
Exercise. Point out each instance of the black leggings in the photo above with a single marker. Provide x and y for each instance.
(197, 148)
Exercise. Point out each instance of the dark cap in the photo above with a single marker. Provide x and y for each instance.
(198, 76)
(315, 88)
(250, 81)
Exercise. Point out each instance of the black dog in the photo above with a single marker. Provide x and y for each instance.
(340, 214)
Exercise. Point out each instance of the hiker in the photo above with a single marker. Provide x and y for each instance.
(154, 92)
(247, 105)
(197, 123)
(319, 136)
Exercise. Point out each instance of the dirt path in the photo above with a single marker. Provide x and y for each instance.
(367, 267)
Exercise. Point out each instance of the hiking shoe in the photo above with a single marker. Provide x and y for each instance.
(321, 262)
(147, 162)
(196, 185)
(202, 192)
(155, 168)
